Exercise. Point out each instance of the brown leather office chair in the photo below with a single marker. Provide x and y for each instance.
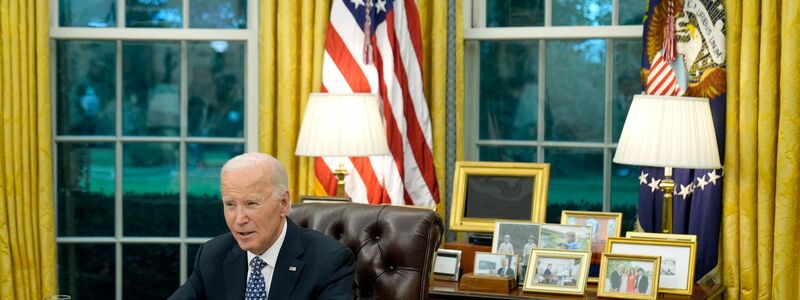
(394, 246)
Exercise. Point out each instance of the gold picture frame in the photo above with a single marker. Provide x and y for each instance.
(605, 224)
(489, 192)
(625, 266)
(554, 271)
(677, 260)
(661, 236)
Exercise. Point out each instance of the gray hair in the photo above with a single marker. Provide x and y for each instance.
(276, 172)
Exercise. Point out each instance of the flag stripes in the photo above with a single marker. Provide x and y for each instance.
(407, 175)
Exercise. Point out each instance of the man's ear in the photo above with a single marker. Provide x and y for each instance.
(286, 203)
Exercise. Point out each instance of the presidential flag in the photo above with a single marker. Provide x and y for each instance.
(698, 28)
(376, 47)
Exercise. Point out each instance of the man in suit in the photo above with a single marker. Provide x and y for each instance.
(616, 279)
(505, 270)
(265, 254)
(641, 281)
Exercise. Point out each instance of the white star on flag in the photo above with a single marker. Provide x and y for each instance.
(701, 182)
(381, 5)
(357, 2)
(712, 177)
(643, 178)
(685, 190)
(653, 184)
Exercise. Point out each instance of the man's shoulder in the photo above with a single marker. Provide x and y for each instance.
(220, 245)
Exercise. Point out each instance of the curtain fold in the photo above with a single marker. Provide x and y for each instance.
(762, 160)
(291, 45)
(27, 236)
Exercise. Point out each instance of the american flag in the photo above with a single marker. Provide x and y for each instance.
(376, 47)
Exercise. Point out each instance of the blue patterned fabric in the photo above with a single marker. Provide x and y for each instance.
(256, 287)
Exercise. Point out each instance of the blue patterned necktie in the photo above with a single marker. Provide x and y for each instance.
(256, 288)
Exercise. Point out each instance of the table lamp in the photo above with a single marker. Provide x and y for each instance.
(669, 132)
(344, 125)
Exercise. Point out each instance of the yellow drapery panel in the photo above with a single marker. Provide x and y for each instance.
(292, 41)
(761, 213)
(27, 236)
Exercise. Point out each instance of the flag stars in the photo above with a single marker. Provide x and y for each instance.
(357, 3)
(712, 177)
(381, 6)
(701, 182)
(686, 190)
(643, 178)
(653, 184)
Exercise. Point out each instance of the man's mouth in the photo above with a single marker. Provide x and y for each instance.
(246, 233)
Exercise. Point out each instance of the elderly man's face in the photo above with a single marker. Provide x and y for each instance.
(253, 214)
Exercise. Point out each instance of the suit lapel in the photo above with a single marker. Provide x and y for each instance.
(235, 273)
(289, 265)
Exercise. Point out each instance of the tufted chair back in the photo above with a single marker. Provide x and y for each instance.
(394, 246)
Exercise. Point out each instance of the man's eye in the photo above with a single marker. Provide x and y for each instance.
(252, 204)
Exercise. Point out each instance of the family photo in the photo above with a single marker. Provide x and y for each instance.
(629, 276)
(516, 238)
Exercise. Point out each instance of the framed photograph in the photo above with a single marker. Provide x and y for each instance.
(661, 236)
(447, 264)
(552, 271)
(516, 238)
(629, 276)
(493, 264)
(486, 192)
(565, 237)
(324, 199)
(677, 260)
(604, 225)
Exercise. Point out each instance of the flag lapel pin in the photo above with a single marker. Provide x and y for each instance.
(292, 268)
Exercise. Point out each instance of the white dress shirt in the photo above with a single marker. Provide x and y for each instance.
(270, 257)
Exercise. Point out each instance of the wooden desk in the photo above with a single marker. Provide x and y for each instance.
(449, 290)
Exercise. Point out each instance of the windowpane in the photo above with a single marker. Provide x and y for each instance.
(576, 181)
(151, 88)
(581, 12)
(507, 153)
(216, 88)
(575, 88)
(631, 12)
(204, 207)
(87, 13)
(625, 193)
(86, 87)
(509, 89)
(218, 14)
(86, 271)
(150, 271)
(85, 173)
(510, 13)
(154, 13)
(627, 81)
(150, 185)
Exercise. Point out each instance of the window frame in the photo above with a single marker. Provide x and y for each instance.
(475, 31)
(120, 34)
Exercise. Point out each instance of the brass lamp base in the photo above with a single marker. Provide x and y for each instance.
(340, 173)
(668, 186)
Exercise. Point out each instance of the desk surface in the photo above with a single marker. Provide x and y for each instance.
(449, 290)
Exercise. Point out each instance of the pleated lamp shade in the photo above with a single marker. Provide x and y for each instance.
(666, 131)
(342, 125)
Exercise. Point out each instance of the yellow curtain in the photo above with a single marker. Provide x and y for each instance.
(292, 40)
(761, 214)
(27, 236)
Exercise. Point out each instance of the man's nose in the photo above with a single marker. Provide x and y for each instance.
(241, 216)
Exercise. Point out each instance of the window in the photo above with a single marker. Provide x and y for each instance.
(150, 98)
(551, 81)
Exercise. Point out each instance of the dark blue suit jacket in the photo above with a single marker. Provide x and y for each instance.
(310, 266)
